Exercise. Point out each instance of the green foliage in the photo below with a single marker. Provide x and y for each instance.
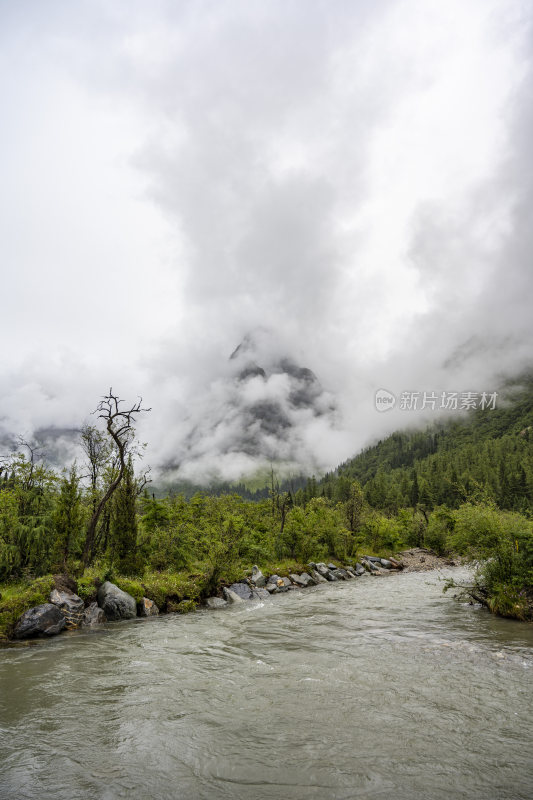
(298, 538)
(184, 606)
(68, 519)
(504, 581)
(282, 567)
(510, 564)
(27, 497)
(16, 599)
(132, 586)
(508, 600)
(122, 542)
(439, 529)
(92, 578)
(412, 527)
(382, 533)
(480, 528)
(168, 533)
(314, 532)
(354, 506)
(223, 550)
(162, 587)
(10, 555)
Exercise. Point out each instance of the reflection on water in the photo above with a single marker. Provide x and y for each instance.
(380, 688)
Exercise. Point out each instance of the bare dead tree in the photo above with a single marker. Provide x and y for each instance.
(98, 451)
(34, 451)
(5, 465)
(120, 427)
(143, 480)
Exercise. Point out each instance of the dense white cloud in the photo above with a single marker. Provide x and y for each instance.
(354, 177)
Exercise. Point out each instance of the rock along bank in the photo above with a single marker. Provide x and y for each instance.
(66, 611)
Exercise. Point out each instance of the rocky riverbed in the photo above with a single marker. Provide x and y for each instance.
(67, 611)
(418, 559)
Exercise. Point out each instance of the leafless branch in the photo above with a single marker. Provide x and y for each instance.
(120, 427)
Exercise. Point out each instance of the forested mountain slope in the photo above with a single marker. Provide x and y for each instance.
(483, 455)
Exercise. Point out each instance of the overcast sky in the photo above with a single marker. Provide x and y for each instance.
(354, 177)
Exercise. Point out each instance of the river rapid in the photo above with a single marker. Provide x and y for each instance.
(372, 688)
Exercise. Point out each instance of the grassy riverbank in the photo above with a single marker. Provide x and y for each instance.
(502, 581)
(171, 591)
(184, 551)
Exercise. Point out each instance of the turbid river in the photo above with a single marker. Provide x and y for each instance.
(376, 688)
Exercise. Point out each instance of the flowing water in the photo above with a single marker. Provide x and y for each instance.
(376, 688)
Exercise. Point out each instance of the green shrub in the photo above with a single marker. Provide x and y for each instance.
(92, 578)
(20, 598)
(439, 529)
(478, 529)
(183, 607)
(132, 586)
(508, 601)
(162, 586)
(382, 533)
(504, 540)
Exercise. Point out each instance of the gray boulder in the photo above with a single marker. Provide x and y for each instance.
(274, 584)
(116, 603)
(351, 571)
(231, 596)
(70, 605)
(372, 558)
(296, 579)
(385, 563)
(307, 580)
(340, 574)
(322, 570)
(216, 602)
(359, 569)
(258, 579)
(332, 566)
(279, 586)
(330, 575)
(370, 565)
(45, 620)
(244, 590)
(317, 577)
(93, 616)
(147, 608)
(260, 594)
(345, 574)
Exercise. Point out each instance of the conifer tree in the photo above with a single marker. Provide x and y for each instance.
(68, 518)
(353, 507)
(414, 491)
(123, 531)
